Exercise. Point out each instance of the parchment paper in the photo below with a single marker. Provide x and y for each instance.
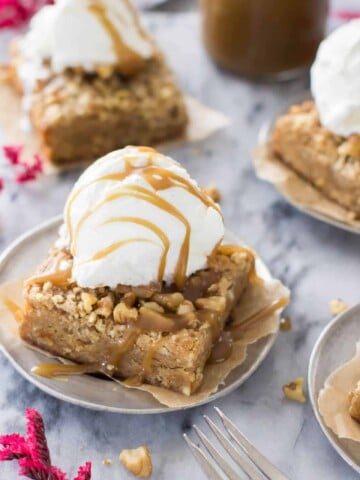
(333, 400)
(296, 189)
(203, 122)
(254, 300)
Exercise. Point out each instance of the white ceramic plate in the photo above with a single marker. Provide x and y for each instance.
(335, 346)
(265, 135)
(87, 391)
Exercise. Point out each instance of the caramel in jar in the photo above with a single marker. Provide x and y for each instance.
(263, 38)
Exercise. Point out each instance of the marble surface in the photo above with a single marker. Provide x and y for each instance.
(317, 261)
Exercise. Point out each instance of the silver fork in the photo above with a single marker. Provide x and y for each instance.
(252, 463)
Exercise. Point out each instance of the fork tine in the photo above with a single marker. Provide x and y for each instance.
(243, 462)
(258, 458)
(203, 461)
(216, 456)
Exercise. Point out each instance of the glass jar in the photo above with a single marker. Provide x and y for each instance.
(264, 38)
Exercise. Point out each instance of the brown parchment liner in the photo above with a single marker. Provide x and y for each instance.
(296, 190)
(333, 399)
(254, 299)
(203, 122)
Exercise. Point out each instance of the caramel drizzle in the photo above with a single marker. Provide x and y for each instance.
(146, 195)
(237, 330)
(14, 308)
(158, 232)
(223, 347)
(59, 278)
(129, 61)
(115, 354)
(52, 273)
(228, 250)
(115, 246)
(147, 364)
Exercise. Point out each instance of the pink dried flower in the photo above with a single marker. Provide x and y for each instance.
(84, 472)
(33, 454)
(12, 153)
(345, 15)
(35, 470)
(35, 437)
(14, 447)
(14, 13)
(25, 172)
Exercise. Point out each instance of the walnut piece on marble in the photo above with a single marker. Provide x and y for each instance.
(137, 460)
(337, 306)
(295, 390)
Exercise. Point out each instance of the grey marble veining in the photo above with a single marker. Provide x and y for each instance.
(317, 261)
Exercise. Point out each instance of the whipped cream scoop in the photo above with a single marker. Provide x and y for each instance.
(335, 80)
(87, 34)
(135, 217)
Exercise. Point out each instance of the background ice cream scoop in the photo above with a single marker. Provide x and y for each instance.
(88, 34)
(335, 80)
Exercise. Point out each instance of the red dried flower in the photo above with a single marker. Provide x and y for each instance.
(345, 15)
(35, 470)
(35, 437)
(2, 184)
(33, 454)
(25, 171)
(12, 153)
(84, 472)
(14, 447)
(13, 13)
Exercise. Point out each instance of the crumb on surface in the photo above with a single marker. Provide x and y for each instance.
(107, 461)
(337, 306)
(295, 390)
(137, 460)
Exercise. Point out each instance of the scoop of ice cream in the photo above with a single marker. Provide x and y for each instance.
(335, 80)
(88, 34)
(135, 217)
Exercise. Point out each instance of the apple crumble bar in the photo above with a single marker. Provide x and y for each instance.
(78, 116)
(152, 334)
(331, 163)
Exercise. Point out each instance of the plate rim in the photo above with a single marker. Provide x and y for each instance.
(313, 361)
(11, 249)
(263, 137)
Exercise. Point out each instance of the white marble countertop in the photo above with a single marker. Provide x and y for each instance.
(318, 262)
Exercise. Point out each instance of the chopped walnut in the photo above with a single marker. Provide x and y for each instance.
(170, 301)
(153, 306)
(295, 390)
(138, 461)
(185, 307)
(124, 314)
(129, 299)
(354, 401)
(213, 193)
(88, 301)
(337, 306)
(216, 303)
(105, 306)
